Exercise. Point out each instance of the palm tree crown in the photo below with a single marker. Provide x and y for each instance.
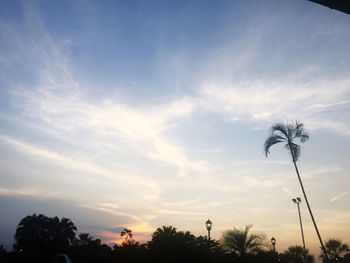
(296, 254)
(287, 133)
(85, 239)
(36, 233)
(242, 243)
(127, 233)
(164, 232)
(336, 249)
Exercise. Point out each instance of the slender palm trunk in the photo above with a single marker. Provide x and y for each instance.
(309, 208)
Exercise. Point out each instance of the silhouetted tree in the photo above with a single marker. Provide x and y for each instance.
(86, 239)
(88, 249)
(241, 242)
(336, 250)
(133, 253)
(3, 254)
(61, 233)
(168, 245)
(287, 134)
(164, 233)
(208, 250)
(204, 242)
(127, 233)
(39, 238)
(268, 256)
(295, 254)
(346, 258)
(2, 250)
(31, 231)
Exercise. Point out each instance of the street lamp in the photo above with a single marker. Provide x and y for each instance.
(297, 201)
(208, 225)
(273, 241)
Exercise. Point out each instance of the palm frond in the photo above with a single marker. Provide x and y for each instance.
(299, 128)
(279, 127)
(280, 132)
(304, 137)
(247, 228)
(272, 140)
(290, 130)
(300, 132)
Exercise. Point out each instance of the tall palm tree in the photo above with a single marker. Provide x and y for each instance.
(242, 243)
(287, 134)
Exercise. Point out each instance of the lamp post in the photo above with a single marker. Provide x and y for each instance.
(273, 241)
(297, 201)
(208, 225)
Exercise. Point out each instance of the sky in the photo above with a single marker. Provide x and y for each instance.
(140, 114)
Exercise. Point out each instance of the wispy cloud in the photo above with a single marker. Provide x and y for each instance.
(172, 158)
(70, 163)
(67, 112)
(58, 100)
(20, 192)
(339, 196)
(268, 101)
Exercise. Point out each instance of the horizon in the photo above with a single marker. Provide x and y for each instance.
(138, 115)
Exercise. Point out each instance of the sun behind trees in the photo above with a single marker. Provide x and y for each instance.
(129, 241)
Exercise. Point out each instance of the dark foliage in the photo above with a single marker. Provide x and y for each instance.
(295, 254)
(87, 248)
(337, 251)
(243, 243)
(39, 239)
(169, 245)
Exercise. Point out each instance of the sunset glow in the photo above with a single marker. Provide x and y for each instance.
(120, 115)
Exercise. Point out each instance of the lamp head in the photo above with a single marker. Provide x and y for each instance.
(273, 241)
(208, 224)
(294, 200)
(299, 199)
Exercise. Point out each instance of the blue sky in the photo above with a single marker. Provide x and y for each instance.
(140, 114)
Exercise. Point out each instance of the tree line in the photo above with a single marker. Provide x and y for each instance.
(40, 239)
